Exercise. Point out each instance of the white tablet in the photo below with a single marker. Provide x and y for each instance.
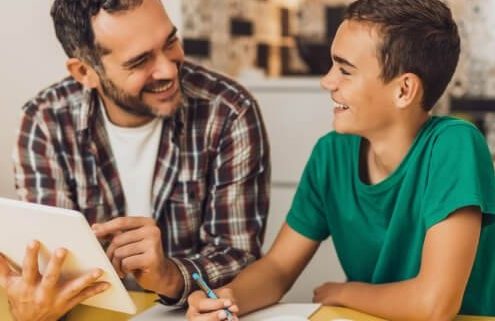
(22, 222)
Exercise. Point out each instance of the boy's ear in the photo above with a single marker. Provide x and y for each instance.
(409, 90)
(82, 72)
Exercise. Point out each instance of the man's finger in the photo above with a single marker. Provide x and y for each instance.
(128, 237)
(116, 265)
(53, 269)
(134, 263)
(120, 224)
(30, 270)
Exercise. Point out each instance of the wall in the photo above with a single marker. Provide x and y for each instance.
(30, 59)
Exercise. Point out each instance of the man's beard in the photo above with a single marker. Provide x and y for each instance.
(132, 104)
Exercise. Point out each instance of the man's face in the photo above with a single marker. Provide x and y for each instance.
(363, 103)
(140, 76)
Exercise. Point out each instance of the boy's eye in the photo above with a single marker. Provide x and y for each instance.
(344, 72)
(172, 42)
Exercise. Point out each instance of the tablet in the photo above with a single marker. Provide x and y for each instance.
(22, 222)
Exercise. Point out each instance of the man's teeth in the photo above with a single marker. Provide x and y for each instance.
(341, 106)
(162, 88)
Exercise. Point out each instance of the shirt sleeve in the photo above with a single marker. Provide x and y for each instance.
(38, 176)
(237, 203)
(307, 213)
(460, 174)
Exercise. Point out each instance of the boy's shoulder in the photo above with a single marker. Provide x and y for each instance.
(448, 128)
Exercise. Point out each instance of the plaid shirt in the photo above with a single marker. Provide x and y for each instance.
(210, 190)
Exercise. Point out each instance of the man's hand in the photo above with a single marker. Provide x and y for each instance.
(36, 297)
(202, 308)
(136, 247)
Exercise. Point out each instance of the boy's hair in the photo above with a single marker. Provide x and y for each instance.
(419, 36)
(72, 21)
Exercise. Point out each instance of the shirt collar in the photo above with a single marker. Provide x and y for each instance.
(90, 112)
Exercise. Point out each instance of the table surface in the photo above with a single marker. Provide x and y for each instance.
(157, 312)
(280, 312)
(283, 311)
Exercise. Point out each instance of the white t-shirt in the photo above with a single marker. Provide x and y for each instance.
(135, 150)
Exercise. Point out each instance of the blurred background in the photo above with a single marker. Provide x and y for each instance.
(278, 49)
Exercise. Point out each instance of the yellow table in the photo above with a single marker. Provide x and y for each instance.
(330, 313)
(143, 301)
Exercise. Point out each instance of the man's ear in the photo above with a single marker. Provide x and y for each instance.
(409, 90)
(82, 72)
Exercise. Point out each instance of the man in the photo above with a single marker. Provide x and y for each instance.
(407, 198)
(168, 160)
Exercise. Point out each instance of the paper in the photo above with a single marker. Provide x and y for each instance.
(286, 318)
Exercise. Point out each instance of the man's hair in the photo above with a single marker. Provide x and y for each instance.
(418, 36)
(72, 21)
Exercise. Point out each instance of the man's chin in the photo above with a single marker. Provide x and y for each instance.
(165, 111)
(167, 108)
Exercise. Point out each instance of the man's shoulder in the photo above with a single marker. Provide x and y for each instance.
(200, 83)
(62, 94)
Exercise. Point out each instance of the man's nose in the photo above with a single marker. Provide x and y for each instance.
(165, 68)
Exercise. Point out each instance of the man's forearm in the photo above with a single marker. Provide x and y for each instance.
(173, 281)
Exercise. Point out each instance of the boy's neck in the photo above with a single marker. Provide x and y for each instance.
(382, 154)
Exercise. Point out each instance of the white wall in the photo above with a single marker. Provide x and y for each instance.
(30, 59)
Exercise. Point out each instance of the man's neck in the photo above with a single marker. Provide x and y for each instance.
(122, 118)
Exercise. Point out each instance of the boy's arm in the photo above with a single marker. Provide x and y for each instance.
(264, 282)
(436, 293)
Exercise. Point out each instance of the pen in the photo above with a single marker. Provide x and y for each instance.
(209, 292)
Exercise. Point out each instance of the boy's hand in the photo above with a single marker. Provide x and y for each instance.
(328, 293)
(36, 297)
(202, 308)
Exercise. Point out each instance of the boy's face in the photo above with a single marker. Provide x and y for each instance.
(141, 73)
(364, 105)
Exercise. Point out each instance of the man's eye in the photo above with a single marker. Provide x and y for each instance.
(138, 64)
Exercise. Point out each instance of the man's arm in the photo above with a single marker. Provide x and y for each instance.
(38, 175)
(436, 293)
(232, 226)
(236, 206)
(261, 284)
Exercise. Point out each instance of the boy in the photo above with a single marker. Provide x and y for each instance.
(407, 198)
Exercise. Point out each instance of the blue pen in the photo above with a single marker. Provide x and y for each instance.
(209, 292)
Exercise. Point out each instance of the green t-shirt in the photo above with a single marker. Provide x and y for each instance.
(378, 230)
